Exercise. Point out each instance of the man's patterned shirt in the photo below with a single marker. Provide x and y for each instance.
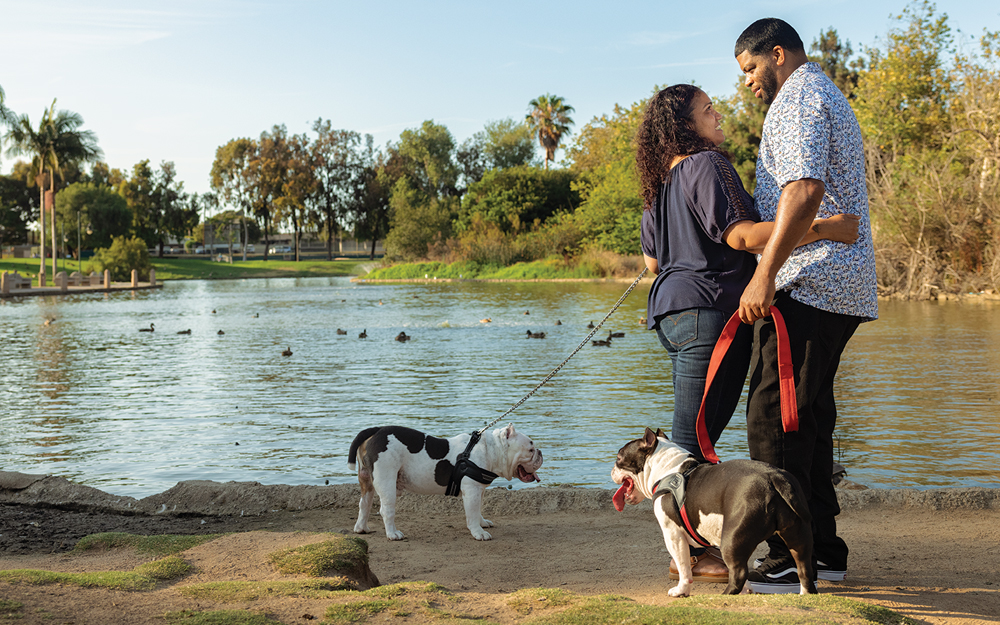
(811, 132)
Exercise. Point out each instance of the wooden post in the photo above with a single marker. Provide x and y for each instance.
(135, 278)
(61, 281)
(107, 278)
(4, 286)
(152, 277)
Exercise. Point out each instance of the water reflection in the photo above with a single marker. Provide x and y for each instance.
(93, 399)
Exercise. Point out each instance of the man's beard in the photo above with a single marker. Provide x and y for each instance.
(768, 85)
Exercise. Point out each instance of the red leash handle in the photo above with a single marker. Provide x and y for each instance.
(786, 377)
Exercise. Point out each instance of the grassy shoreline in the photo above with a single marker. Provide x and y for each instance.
(207, 269)
(363, 269)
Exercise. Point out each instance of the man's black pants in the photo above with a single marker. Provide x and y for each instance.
(817, 339)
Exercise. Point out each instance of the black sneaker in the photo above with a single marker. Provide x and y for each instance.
(824, 571)
(830, 573)
(774, 577)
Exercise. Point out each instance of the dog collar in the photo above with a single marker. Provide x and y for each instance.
(675, 484)
(464, 467)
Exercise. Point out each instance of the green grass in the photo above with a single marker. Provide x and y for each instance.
(337, 554)
(701, 609)
(204, 268)
(359, 611)
(160, 545)
(399, 600)
(526, 600)
(218, 617)
(10, 610)
(233, 592)
(548, 269)
(143, 577)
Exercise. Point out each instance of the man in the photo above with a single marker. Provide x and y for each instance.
(810, 163)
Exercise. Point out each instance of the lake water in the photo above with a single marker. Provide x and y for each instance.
(90, 398)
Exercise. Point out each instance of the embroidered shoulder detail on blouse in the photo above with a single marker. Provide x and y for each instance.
(737, 198)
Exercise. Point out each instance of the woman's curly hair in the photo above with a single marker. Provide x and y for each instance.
(666, 132)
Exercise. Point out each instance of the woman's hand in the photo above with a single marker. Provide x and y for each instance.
(840, 228)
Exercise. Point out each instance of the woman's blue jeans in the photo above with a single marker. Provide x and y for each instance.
(689, 336)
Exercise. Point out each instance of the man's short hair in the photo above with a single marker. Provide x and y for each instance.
(763, 35)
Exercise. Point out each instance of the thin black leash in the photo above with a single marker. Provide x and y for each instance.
(635, 283)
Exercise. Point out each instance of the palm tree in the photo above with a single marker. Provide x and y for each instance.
(57, 142)
(7, 116)
(549, 115)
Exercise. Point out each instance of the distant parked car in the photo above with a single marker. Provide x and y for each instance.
(199, 250)
(280, 249)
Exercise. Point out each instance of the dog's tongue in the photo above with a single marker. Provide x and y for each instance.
(619, 497)
(525, 476)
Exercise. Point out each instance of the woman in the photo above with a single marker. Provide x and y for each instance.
(699, 228)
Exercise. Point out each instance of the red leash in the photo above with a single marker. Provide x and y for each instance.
(786, 376)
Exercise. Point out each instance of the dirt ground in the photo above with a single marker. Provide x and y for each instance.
(932, 556)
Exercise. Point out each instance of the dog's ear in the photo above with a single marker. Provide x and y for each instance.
(509, 431)
(649, 440)
(660, 434)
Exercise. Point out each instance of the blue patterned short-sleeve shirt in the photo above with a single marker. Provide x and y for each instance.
(811, 132)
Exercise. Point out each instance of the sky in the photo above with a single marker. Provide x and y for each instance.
(174, 80)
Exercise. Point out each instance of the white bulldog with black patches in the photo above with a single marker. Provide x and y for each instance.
(397, 458)
(734, 505)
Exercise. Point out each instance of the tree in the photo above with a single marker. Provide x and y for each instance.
(501, 144)
(122, 257)
(232, 179)
(268, 172)
(517, 198)
(548, 116)
(7, 116)
(56, 144)
(371, 193)
(834, 57)
(138, 190)
(336, 157)
(181, 212)
(18, 206)
(100, 213)
(901, 98)
(507, 144)
(103, 175)
(603, 157)
(424, 192)
(743, 123)
(175, 217)
(299, 186)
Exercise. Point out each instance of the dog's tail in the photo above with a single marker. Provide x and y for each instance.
(791, 491)
(352, 455)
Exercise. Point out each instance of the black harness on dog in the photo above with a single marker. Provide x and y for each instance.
(676, 484)
(467, 468)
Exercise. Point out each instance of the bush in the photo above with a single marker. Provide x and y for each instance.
(121, 258)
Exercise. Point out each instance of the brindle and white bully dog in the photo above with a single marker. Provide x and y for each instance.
(734, 505)
(397, 458)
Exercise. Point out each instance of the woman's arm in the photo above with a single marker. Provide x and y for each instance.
(752, 236)
(651, 264)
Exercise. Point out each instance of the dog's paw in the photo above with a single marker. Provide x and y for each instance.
(481, 535)
(678, 591)
(361, 528)
(485, 523)
(394, 535)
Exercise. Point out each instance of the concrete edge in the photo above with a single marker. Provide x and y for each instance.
(208, 498)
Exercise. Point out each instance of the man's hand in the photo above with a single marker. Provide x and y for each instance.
(797, 207)
(757, 297)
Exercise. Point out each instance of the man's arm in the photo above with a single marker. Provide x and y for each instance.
(797, 207)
